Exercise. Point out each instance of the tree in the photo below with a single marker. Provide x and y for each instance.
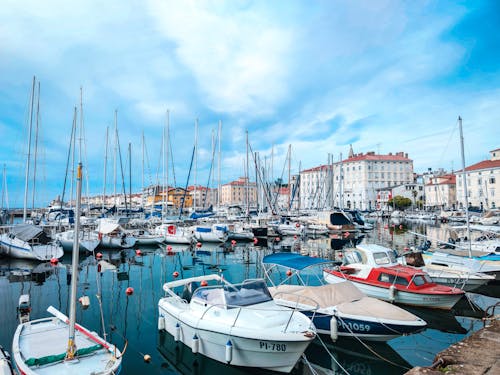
(399, 202)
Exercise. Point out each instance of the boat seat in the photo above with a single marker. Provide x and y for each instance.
(188, 290)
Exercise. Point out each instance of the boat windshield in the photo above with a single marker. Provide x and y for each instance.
(421, 280)
(248, 293)
(382, 258)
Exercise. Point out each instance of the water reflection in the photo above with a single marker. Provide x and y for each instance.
(135, 317)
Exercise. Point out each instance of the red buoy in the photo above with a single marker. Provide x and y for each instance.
(169, 248)
(386, 226)
(255, 241)
(129, 291)
(297, 225)
(198, 244)
(54, 261)
(277, 239)
(295, 237)
(204, 283)
(138, 252)
(98, 255)
(233, 242)
(175, 274)
(289, 273)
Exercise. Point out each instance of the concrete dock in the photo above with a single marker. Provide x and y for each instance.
(475, 355)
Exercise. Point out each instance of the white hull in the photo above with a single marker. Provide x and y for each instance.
(441, 301)
(88, 241)
(16, 248)
(113, 242)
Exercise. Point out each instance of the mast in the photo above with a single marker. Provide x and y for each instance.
(71, 350)
(105, 167)
(142, 179)
(218, 165)
(247, 195)
(195, 161)
(464, 179)
(29, 153)
(36, 146)
(130, 175)
(115, 159)
(289, 180)
(167, 147)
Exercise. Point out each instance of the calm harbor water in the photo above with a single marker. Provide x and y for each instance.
(135, 317)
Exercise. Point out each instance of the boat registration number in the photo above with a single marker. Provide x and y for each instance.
(272, 347)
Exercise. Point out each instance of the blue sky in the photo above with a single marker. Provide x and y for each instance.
(384, 76)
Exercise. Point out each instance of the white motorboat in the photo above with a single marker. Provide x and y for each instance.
(26, 241)
(462, 278)
(57, 345)
(338, 309)
(238, 324)
(89, 240)
(316, 230)
(290, 229)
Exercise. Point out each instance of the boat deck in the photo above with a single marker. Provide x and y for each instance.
(49, 337)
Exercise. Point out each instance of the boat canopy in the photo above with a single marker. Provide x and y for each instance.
(295, 261)
(26, 232)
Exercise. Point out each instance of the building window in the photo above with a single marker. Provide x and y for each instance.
(492, 180)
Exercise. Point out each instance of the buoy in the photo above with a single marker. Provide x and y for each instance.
(255, 241)
(204, 283)
(340, 255)
(177, 333)
(295, 237)
(129, 291)
(233, 242)
(84, 301)
(54, 261)
(169, 248)
(175, 274)
(334, 329)
(406, 248)
(195, 344)
(161, 323)
(289, 273)
(198, 244)
(147, 358)
(386, 226)
(229, 351)
(98, 255)
(277, 239)
(392, 293)
(138, 252)
(297, 225)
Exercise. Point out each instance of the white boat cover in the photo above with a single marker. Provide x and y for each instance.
(25, 232)
(107, 227)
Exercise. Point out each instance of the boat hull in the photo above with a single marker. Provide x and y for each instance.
(16, 248)
(436, 301)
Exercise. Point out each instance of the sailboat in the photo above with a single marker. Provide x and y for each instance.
(58, 345)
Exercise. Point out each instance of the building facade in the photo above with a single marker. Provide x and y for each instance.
(440, 192)
(354, 182)
(483, 183)
(235, 193)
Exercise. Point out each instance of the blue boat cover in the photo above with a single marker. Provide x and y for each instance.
(203, 230)
(294, 261)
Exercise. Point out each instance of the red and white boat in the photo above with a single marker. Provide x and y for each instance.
(374, 270)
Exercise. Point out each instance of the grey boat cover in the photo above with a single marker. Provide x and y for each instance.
(345, 297)
(26, 232)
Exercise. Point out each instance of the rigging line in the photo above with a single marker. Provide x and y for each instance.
(121, 169)
(330, 354)
(68, 158)
(171, 155)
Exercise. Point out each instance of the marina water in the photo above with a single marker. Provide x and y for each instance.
(135, 317)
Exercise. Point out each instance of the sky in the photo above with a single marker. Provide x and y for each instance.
(383, 76)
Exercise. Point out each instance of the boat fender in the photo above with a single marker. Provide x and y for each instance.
(195, 344)
(84, 301)
(334, 330)
(229, 351)
(177, 335)
(392, 293)
(161, 323)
